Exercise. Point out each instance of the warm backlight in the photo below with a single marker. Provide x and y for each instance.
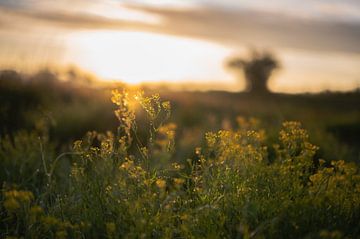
(136, 57)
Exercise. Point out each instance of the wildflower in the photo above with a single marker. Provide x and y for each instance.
(22, 196)
(126, 165)
(160, 183)
(108, 189)
(110, 229)
(36, 210)
(150, 104)
(145, 151)
(197, 150)
(77, 146)
(11, 204)
(179, 181)
(321, 162)
(137, 171)
(117, 97)
(66, 224)
(147, 182)
(210, 139)
(61, 234)
(176, 166)
(166, 105)
(50, 221)
(184, 217)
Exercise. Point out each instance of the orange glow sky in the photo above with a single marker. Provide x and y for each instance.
(186, 41)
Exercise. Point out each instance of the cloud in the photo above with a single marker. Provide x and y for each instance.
(69, 20)
(319, 9)
(255, 28)
(232, 27)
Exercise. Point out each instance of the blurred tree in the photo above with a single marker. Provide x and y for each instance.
(257, 70)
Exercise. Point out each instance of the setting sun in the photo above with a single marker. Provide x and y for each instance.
(136, 57)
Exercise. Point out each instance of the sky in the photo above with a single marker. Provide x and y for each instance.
(187, 41)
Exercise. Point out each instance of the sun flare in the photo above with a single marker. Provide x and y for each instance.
(136, 57)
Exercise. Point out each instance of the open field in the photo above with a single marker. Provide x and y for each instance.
(182, 165)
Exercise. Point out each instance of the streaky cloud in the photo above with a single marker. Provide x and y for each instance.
(264, 29)
(232, 27)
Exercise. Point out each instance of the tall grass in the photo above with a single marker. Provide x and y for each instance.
(119, 185)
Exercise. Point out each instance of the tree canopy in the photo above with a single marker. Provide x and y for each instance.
(257, 70)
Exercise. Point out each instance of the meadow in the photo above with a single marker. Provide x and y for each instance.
(80, 160)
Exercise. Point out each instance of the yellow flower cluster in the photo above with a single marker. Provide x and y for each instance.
(161, 183)
(292, 135)
(166, 137)
(341, 176)
(110, 229)
(177, 166)
(236, 145)
(133, 170)
(15, 199)
(150, 104)
(21, 203)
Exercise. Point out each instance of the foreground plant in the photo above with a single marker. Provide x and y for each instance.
(116, 185)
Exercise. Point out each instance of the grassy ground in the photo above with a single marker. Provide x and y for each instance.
(221, 165)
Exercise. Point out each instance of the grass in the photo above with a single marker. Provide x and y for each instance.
(246, 181)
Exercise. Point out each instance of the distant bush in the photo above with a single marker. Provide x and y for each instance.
(116, 185)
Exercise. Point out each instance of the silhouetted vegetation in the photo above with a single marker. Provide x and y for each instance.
(257, 70)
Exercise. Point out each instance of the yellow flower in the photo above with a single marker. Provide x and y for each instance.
(176, 166)
(197, 150)
(50, 221)
(11, 204)
(61, 234)
(160, 183)
(166, 105)
(126, 165)
(22, 196)
(35, 213)
(184, 217)
(110, 229)
(179, 181)
(116, 97)
(36, 210)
